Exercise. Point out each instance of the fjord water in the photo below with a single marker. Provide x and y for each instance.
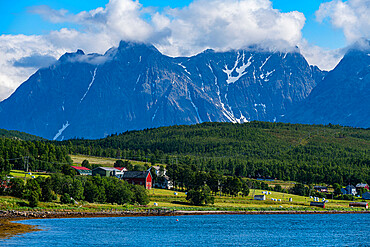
(204, 230)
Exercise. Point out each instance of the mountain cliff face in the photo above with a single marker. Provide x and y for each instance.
(134, 86)
(343, 97)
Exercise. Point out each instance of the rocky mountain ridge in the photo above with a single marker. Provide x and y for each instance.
(343, 97)
(134, 86)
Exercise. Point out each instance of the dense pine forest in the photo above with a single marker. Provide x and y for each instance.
(19, 135)
(304, 153)
(36, 155)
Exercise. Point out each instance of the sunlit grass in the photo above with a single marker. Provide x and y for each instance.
(161, 198)
(22, 174)
(167, 198)
(108, 162)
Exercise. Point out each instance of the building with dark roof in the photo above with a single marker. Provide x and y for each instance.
(82, 170)
(105, 171)
(321, 188)
(137, 177)
(349, 190)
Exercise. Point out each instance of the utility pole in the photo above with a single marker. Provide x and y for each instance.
(26, 165)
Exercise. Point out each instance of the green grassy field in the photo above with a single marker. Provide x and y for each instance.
(109, 162)
(22, 174)
(168, 199)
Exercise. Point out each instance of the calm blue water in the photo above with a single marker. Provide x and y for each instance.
(205, 230)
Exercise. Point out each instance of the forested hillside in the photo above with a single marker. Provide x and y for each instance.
(19, 135)
(37, 155)
(304, 153)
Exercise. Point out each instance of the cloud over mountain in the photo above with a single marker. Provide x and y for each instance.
(218, 24)
(215, 24)
(351, 16)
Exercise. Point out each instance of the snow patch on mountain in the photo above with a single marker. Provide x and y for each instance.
(185, 69)
(155, 113)
(242, 119)
(228, 114)
(240, 70)
(195, 107)
(61, 130)
(261, 105)
(264, 76)
(88, 88)
(263, 64)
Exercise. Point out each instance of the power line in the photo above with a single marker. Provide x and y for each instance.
(50, 162)
(16, 158)
(26, 157)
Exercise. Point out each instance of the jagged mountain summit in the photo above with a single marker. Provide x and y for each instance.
(343, 97)
(134, 86)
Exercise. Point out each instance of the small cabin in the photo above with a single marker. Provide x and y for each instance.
(317, 204)
(260, 197)
(359, 204)
(105, 171)
(321, 188)
(83, 171)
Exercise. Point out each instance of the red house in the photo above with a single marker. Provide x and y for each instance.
(82, 170)
(140, 178)
(362, 185)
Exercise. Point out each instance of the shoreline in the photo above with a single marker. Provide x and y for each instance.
(8, 228)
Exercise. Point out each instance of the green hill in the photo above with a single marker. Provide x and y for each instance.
(304, 153)
(19, 135)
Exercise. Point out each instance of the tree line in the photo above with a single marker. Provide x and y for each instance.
(76, 188)
(309, 154)
(304, 153)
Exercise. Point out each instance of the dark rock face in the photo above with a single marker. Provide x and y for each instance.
(343, 97)
(134, 86)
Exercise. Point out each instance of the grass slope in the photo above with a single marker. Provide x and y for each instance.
(103, 161)
(168, 199)
(22, 174)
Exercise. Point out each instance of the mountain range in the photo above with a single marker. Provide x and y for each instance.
(134, 86)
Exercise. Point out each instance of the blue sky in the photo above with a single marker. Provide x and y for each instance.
(37, 32)
(15, 17)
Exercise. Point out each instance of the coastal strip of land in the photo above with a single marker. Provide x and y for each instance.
(8, 228)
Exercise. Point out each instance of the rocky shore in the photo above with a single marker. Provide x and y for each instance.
(20, 215)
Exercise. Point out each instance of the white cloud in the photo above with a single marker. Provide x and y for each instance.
(226, 24)
(52, 15)
(12, 49)
(221, 25)
(325, 59)
(351, 16)
(216, 24)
